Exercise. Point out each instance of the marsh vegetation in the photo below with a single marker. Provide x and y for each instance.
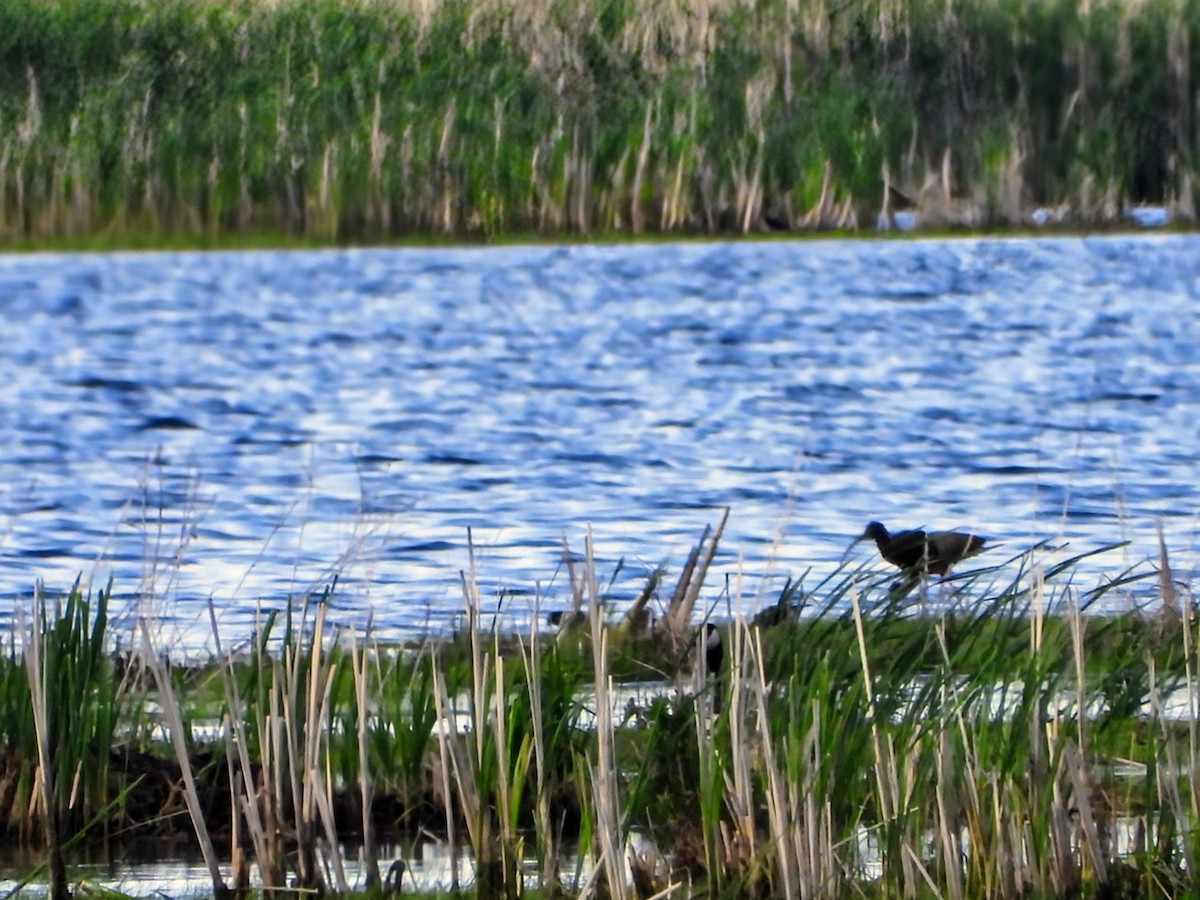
(986, 737)
(341, 120)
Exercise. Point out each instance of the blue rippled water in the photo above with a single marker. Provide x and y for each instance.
(242, 426)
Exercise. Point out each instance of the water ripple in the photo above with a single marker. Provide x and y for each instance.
(242, 426)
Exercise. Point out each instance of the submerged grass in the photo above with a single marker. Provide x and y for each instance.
(346, 120)
(849, 745)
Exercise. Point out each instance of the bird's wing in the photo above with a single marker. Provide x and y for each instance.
(907, 549)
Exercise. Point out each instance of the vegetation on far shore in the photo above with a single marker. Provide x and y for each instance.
(190, 121)
(853, 742)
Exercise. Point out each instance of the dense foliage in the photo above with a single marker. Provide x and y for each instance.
(339, 120)
(853, 740)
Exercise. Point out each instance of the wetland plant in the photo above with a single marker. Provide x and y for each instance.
(325, 120)
(1005, 744)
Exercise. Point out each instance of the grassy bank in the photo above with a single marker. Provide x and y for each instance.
(193, 121)
(851, 743)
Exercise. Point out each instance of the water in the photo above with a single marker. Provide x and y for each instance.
(164, 869)
(242, 426)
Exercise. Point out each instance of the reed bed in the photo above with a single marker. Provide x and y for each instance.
(196, 121)
(852, 742)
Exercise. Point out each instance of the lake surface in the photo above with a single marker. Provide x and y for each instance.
(243, 426)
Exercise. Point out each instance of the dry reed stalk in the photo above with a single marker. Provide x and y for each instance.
(1192, 686)
(613, 195)
(323, 669)
(243, 790)
(532, 660)
(673, 213)
(777, 796)
(447, 739)
(473, 804)
(1092, 823)
(366, 786)
(508, 782)
(636, 219)
(35, 638)
(730, 694)
(912, 862)
(577, 176)
(743, 178)
(609, 826)
(1075, 619)
(322, 782)
(890, 782)
(576, 580)
(380, 144)
(1177, 613)
(1010, 870)
(706, 754)
(479, 666)
(969, 803)
(1167, 788)
(239, 862)
(947, 807)
(905, 779)
(822, 213)
(887, 802)
(739, 784)
(1037, 621)
(262, 823)
(304, 696)
(1064, 870)
(1167, 594)
(467, 766)
(676, 211)
(820, 857)
(637, 617)
(446, 189)
(683, 601)
(274, 790)
(174, 721)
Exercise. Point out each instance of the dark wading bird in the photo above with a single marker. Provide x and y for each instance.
(919, 552)
(714, 649)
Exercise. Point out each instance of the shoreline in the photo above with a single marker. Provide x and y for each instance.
(278, 242)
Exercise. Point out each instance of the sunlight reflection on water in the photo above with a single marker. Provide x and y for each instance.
(244, 426)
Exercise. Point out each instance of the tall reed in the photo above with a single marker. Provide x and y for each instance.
(988, 737)
(64, 727)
